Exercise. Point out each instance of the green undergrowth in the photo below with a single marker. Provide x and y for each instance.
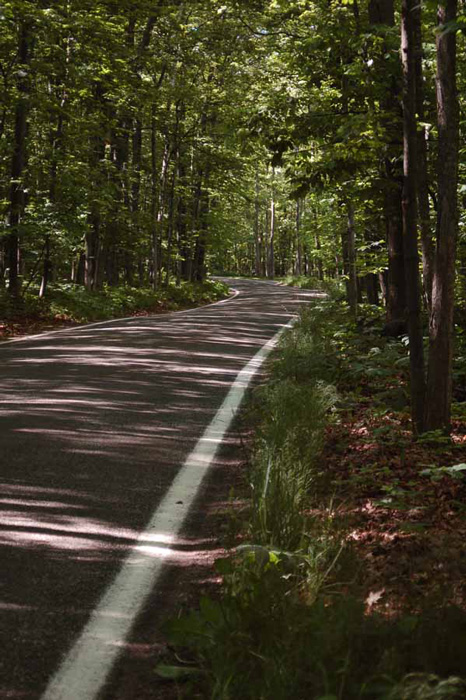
(333, 287)
(290, 621)
(74, 303)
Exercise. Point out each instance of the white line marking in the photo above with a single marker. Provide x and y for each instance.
(118, 320)
(85, 669)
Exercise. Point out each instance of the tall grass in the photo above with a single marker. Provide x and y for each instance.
(286, 459)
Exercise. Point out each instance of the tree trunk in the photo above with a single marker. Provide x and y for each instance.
(153, 209)
(92, 251)
(177, 156)
(134, 201)
(199, 270)
(319, 262)
(18, 160)
(56, 146)
(271, 249)
(299, 243)
(381, 12)
(162, 198)
(383, 285)
(47, 269)
(416, 351)
(349, 260)
(372, 288)
(396, 281)
(93, 243)
(171, 210)
(422, 179)
(136, 184)
(182, 266)
(441, 319)
(257, 233)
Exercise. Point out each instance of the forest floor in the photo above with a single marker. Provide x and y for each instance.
(404, 505)
(69, 305)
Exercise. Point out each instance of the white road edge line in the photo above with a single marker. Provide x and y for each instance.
(85, 669)
(117, 320)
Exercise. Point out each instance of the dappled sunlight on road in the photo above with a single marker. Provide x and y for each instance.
(95, 423)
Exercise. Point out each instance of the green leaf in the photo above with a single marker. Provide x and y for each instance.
(176, 673)
(456, 468)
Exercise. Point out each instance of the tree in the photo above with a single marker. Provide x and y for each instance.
(441, 319)
(411, 255)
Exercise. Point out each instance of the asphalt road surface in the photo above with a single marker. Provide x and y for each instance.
(96, 426)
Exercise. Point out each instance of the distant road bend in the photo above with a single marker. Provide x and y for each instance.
(106, 433)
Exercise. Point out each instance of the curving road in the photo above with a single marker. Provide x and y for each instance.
(100, 436)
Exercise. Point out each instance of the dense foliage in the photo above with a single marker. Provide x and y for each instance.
(149, 141)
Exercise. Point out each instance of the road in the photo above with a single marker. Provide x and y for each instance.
(98, 427)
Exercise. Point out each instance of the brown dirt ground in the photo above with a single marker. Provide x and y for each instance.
(408, 531)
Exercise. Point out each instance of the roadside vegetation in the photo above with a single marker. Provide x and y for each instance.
(347, 576)
(70, 304)
(154, 141)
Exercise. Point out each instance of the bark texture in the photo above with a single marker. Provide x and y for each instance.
(422, 161)
(381, 12)
(18, 160)
(349, 252)
(416, 352)
(271, 245)
(441, 319)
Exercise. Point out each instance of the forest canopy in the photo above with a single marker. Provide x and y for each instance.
(147, 141)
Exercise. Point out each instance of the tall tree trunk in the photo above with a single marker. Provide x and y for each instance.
(266, 241)
(56, 146)
(271, 246)
(299, 243)
(181, 225)
(136, 187)
(381, 12)
(163, 182)
(422, 179)
(180, 116)
(92, 250)
(396, 280)
(199, 270)
(371, 280)
(93, 242)
(202, 225)
(257, 233)
(318, 260)
(383, 285)
(441, 319)
(171, 211)
(137, 155)
(116, 226)
(18, 160)
(349, 257)
(372, 288)
(153, 210)
(416, 351)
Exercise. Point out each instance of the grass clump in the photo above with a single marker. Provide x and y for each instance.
(285, 461)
